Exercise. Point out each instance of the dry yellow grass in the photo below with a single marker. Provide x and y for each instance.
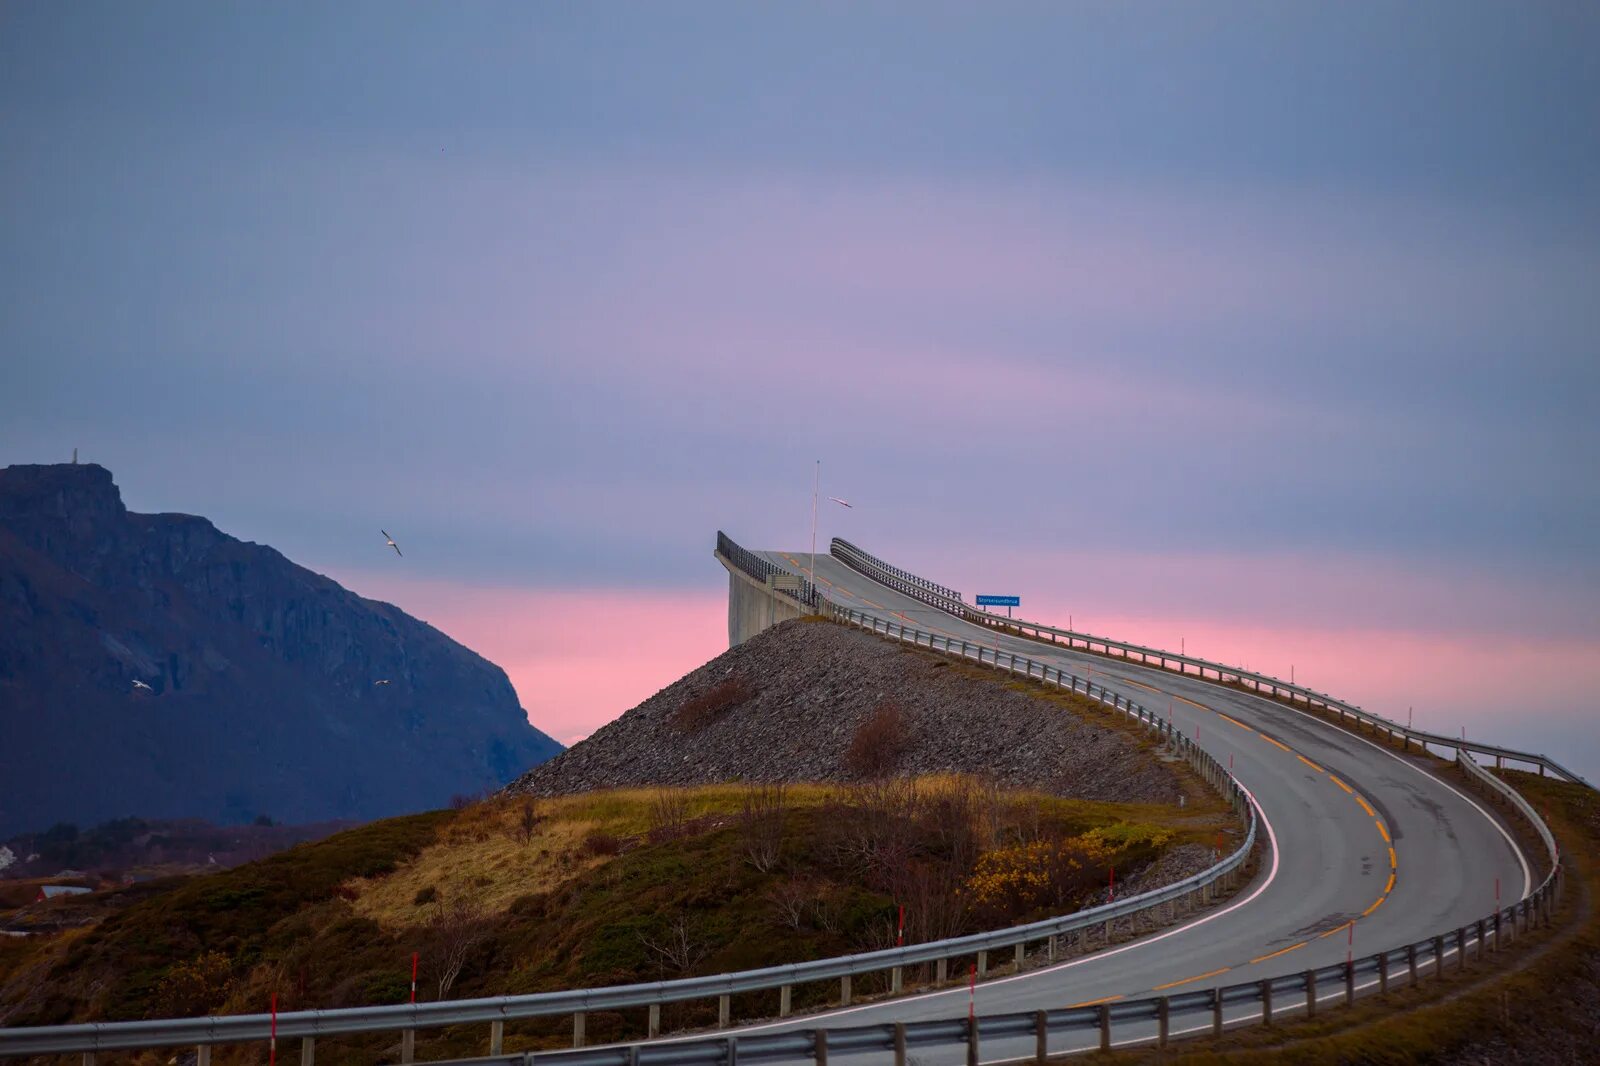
(481, 853)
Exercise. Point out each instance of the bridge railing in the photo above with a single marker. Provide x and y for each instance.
(1347, 713)
(794, 586)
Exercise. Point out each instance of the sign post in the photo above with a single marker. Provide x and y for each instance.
(1007, 602)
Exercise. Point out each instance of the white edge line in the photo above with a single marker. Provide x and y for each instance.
(1272, 875)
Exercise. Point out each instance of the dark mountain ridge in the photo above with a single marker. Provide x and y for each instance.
(263, 694)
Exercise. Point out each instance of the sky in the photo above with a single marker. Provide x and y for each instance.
(1268, 328)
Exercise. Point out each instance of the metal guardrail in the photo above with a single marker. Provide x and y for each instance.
(934, 595)
(764, 570)
(1264, 1001)
(580, 1002)
(907, 583)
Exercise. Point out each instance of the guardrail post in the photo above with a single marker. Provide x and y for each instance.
(1311, 993)
(1411, 962)
(972, 1041)
(899, 1044)
(579, 1021)
(722, 1011)
(1105, 1027)
(1017, 956)
(1438, 956)
(1483, 938)
(941, 971)
(408, 1046)
(1383, 973)
(895, 981)
(1266, 1001)
(1163, 1022)
(1495, 928)
(983, 963)
(1461, 948)
(202, 1055)
(783, 1001)
(1349, 982)
(732, 1054)
(1041, 1036)
(497, 1036)
(819, 1046)
(88, 1058)
(652, 1028)
(1050, 948)
(844, 991)
(308, 1052)
(1216, 1011)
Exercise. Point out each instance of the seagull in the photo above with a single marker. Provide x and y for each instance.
(385, 681)
(390, 542)
(842, 503)
(140, 684)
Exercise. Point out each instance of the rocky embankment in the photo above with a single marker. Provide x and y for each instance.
(790, 705)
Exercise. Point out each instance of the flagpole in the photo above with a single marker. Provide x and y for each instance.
(816, 484)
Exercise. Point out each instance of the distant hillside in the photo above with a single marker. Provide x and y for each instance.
(816, 701)
(263, 694)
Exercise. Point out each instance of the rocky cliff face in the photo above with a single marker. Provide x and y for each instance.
(263, 677)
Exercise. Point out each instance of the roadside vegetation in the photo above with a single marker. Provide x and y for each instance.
(518, 895)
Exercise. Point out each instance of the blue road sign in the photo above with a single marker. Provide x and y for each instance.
(999, 601)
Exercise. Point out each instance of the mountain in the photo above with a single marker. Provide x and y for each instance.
(263, 676)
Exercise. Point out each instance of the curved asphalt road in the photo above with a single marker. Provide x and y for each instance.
(1334, 803)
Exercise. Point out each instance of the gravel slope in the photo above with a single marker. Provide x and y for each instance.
(811, 684)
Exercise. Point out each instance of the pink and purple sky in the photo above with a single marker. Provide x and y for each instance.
(1271, 328)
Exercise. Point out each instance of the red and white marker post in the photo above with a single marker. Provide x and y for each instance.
(413, 977)
(272, 1042)
(972, 993)
(900, 929)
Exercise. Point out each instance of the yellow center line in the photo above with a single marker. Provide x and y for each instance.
(1374, 907)
(1336, 929)
(1275, 954)
(1269, 740)
(1394, 863)
(1094, 1002)
(1311, 764)
(1234, 720)
(869, 603)
(1131, 681)
(1366, 807)
(1341, 784)
(1388, 888)
(1192, 703)
(1191, 980)
(1383, 831)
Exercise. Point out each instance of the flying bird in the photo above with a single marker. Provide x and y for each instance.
(842, 503)
(140, 684)
(390, 542)
(385, 681)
